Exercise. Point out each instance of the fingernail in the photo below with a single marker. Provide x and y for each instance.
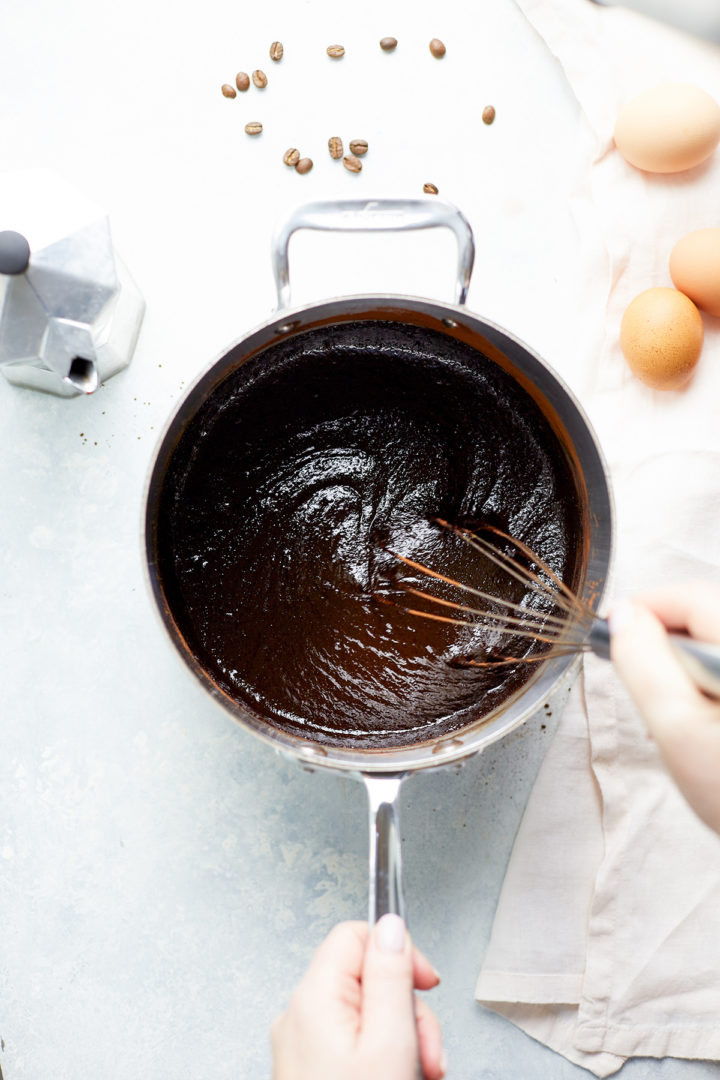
(621, 616)
(443, 1063)
(390, 934)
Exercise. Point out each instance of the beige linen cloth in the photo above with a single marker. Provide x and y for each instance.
(606, 941)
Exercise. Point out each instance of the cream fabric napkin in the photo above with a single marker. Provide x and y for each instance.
(606, 941)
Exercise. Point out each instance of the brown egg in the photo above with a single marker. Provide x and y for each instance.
(695, 268)
(668, 128)
(661, 337)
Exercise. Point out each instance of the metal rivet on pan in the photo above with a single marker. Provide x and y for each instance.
(447, 745)
(450, 323)
(312, 752)
(285, 328)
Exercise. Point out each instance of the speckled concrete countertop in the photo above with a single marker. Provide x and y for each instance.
(164, 877)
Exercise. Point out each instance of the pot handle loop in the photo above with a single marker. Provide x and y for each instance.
(386, 889)
(373, 215)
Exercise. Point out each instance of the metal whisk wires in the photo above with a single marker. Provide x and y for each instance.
(564, 628)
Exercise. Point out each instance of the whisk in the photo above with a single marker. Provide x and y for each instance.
(567, 627)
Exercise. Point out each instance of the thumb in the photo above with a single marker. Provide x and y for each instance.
(646, 663)
(388, 1012)
(684, 723)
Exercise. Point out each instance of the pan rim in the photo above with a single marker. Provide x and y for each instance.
(514, 711)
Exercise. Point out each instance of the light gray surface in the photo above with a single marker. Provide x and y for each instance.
(699, 17)
(163, 877)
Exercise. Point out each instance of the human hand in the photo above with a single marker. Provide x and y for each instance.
(353, 1015)
(683, 721)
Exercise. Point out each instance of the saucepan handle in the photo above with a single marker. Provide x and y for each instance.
(374, 215)
(386, 888)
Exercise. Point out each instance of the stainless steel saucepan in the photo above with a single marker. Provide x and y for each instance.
(383, 771)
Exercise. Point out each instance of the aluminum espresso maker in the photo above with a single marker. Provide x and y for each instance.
(70, 313)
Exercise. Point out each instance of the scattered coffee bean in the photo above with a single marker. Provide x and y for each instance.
(242, 81)
(276, 51)
(259, 78)
(228, 90)
(430, 189)
(352, 163)
(335, 147)
(304, 165)
(253, 128)
(291, 156)
(437, 48)
(388, 44)
(488, 114)
(359, 147)
(336, 51)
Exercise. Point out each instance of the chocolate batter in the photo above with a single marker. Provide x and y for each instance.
(289, 486)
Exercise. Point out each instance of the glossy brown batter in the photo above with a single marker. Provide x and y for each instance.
(287, 488)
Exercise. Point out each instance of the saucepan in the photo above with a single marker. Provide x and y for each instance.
(383, 769)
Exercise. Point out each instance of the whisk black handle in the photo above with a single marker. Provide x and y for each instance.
(600, 638)
(700, 659)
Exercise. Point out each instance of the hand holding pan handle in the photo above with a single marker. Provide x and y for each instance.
(373, 215)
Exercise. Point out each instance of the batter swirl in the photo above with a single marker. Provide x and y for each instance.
(289, 486)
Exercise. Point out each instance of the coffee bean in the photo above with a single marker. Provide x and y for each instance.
(228, 90)
(352, 163)
(437, 48)
(276, 51)
(260, 79)
(304, 165)
(335, 147)
(242, 81)
(488, 114)
(336, 51)
(253, 128)
(291, 156)
(388, 44)
(359, 147)
(430, 189)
